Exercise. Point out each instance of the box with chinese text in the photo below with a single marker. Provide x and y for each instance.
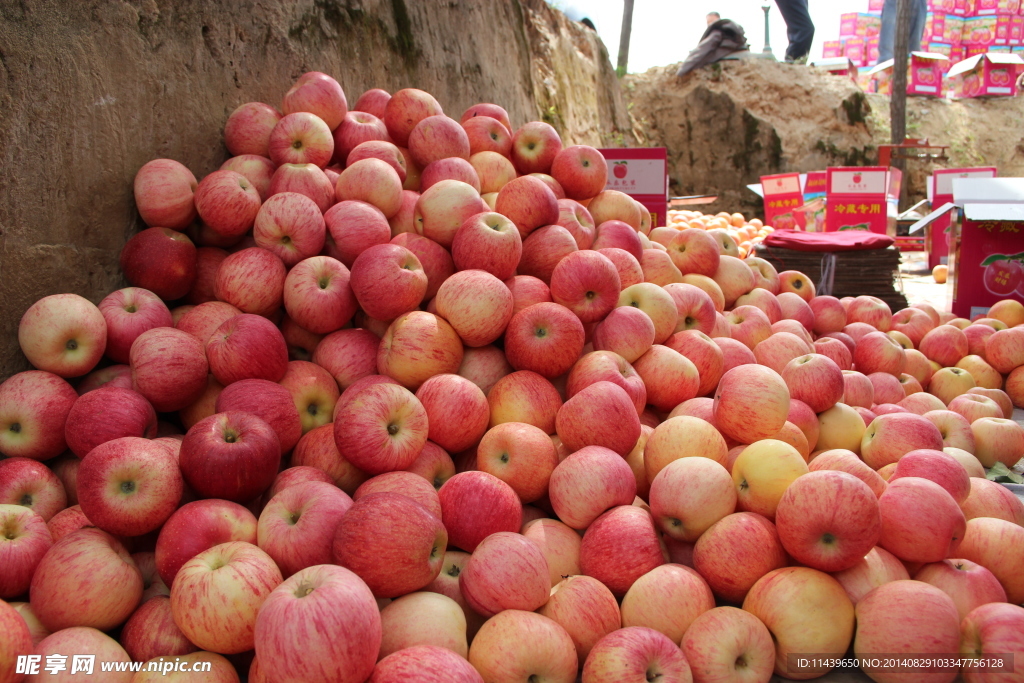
(642, 173)
(860, 199)
(993, 74)
(782, 195)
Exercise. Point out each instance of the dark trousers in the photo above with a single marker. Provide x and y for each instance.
(799, 28)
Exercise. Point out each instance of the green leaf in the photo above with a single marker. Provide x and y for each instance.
(995, 257)
(1003, 474)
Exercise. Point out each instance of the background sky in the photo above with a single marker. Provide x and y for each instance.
(664, 31)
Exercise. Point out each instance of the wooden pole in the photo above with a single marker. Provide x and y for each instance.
(898, 99)
(627, 29)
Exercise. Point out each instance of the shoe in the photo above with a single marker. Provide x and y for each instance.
(796, 60)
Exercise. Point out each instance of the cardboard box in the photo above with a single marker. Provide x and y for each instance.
(961, 8)
(871, 51)
(992, 74)
(859, 24)
(1009, 29)
(941, 49)
(865, 80)
(862, 198)
(875, 5)
(854, 48)
(940, 192)
(782, 195)
(642, 173)
(943, 28)
(944, 6)
(978, 8)
(832, 49)
(838, 66)
(924, 74)
(980, 30)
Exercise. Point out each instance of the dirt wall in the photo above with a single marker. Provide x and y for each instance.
(90, 90)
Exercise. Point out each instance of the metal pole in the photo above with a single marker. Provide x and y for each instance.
(627, 28)
(767, 44)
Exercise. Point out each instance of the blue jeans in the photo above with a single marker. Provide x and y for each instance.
(887, 38)
(799, 28)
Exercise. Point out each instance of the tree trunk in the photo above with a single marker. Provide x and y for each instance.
(627, 29)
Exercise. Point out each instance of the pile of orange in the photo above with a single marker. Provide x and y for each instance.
(743, 233)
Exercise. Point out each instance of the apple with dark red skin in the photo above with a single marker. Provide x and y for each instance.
(106, 414)
(475, 505)
(267, 400)
(129, 312)
(546, 338)
(169, 368)
(230, 455)
(161, 260)
(246, 347)
(198, 526)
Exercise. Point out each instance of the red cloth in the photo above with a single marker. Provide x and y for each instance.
(845, 240)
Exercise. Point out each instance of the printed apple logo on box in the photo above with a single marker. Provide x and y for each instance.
(621, 169)
(1003, 273)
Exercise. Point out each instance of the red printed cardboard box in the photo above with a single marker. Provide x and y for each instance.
(986, 264)
(979, 30)
(859, 24)
(782, 196)
(993, 74)
(838, 66)
(832, 49)
(642, 173)
(940, 191)
(875, 6)
(859, 198)
(924, 74)
(855, 49)
(943, 28)
(1008, 29)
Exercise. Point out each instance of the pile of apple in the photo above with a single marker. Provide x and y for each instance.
(429, 404)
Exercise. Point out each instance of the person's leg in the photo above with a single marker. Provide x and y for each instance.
(799, 28)
(918, 14)
(887, 36)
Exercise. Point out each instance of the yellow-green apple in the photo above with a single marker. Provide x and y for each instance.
(1003, 349)
(628, 267)
(394, 527)
(635, 654)
(297, 526)
(996, 544)
(419, 345)
(829, 314)
(232, 455)
(601, 414)
(907, 618)
(949, 382)
(477, 304)
(198, 526)
(34, 407)
(306, 180)
(706, 356)
(292, 227)
(937, 466)
(518, 645)
(423, 619)
(922, 403)
(914, 323)
(1001, 398)
(64, 334)
(107, 584)
(953, 427)
(227, 203)
(545, 338)
(425, 663)
(37, 632)
(437, 137)
(828, 536)
(627, 331)
(587, 483)
(301, 138)
(388, 280)
(255, 168)
(293, 476)
(505, 571)
(581, 170)
(476, 504)
(525, 396)
(164, 191)
(247, 130)
(870, 310)
(749, 325)
(729, 645)
(484, 366)
(129, 486)
(669, 377)
(587, 283)
(406, 483)
(764, 300)
(968, 583)
(891, 436)
(489, 242)
(575, 218)
(945, 344)
(816, 380)
(620, 546)
(992, 630)
(751, 403)
(216, 595)
(519, 454)
(734, 353)
(667, 599)
(606, 366)
(734, 277)
(840, 427)
(314, 392)
(998, 440)
(776, 351)
(920, 520)
(878, 352)
(735, 552)
(25, 541)
(694, 251)
(1008, 311)
(878, 566)
(151, 632)
(128, 313)
(247, 346)
(847, 461)
(526, 291)
(356, 128)
(380, 428)
(887, 388)
(457, 411)
(487, 134)
(614, 205)
(989, 499)
(805, 610)
(763, 472)
(82, 640)
(348, 355)
(33, 485)
(586, 609)
(252, 280)
(543, 249)
(319, 94)
(679, 437)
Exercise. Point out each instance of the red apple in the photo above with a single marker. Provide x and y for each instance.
(246, 347)
(534, 147)
(307, 180)
(476, 504)
(198, 526)
(248, 129)
(735, 552)
(251, 280)
(301, 138)
(620, 546)
(169, 368)
(729, 645)
(319, 94)
(920, 521)
(164, 194)
(25, 541)
(34, 407)
(227, 203)
(298, 525)
(128, 313)
(751, 403)
(528, 203)
(151, 632)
